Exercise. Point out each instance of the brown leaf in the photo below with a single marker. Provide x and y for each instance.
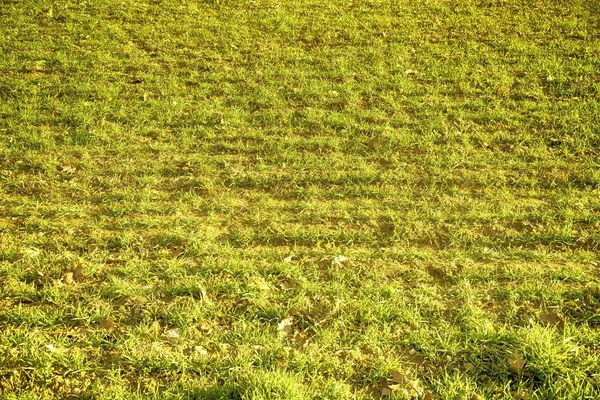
(285, 327)
(386, 392)
(399, 377)
(200, 350)
(406, 385)
(552, 318)
(428, 395)
(176, 251)
(67, 169)
(172, 334)
(339, 260)
(107, 323)
(40, 279)
(518, 395)
(78, 274)
(67, 278)
(260, 283)
(516, 362)
(109, 260)
(205, 326)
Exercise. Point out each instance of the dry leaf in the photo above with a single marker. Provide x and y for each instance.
(40, 279)
(205, 326)
(516, 362)
(67, 169)
(201, 351)
(398, 377)
(39, 65)
(107, 323)
(406, 385)
(32, 252)
(260, 283)
(551, 318)
(288, 259)
(338, 260)
(518, 395)
(173, 333)
(109, 260)
(78, 274)
(386, 392)
(51, 348)
(285, 327)
(67, 278)
(428, 395)
(468, 366)
(176, 251)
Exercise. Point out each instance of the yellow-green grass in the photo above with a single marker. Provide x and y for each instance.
(299, 199)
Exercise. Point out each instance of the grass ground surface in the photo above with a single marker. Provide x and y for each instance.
(299, 199)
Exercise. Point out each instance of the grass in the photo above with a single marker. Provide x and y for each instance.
(293, 200)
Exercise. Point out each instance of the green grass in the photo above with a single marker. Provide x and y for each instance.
(178, 177)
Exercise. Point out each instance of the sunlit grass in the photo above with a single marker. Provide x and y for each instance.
(290, 200)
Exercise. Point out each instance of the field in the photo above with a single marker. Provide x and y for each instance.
(310, 199)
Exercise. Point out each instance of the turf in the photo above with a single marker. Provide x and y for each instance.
(299, 199)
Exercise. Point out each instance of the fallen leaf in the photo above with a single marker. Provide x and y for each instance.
(205, 326)
(109, 260)
(516, 362)
(51, 348)
(39, 65)
(40, 279)
(32, 252)
(339, 260)
(551, 318)
(475, 396)
(386, 392)
(288, 259)
(176, 251)
(399, 377)
(67, 278)
(260, 283)
(67, 169)
(173, 333)
(285, 327)
(78, 274)
(107, 323)
(406, 385)
(468, 366)
(518, 395)
(428, 395)
(201, 351)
